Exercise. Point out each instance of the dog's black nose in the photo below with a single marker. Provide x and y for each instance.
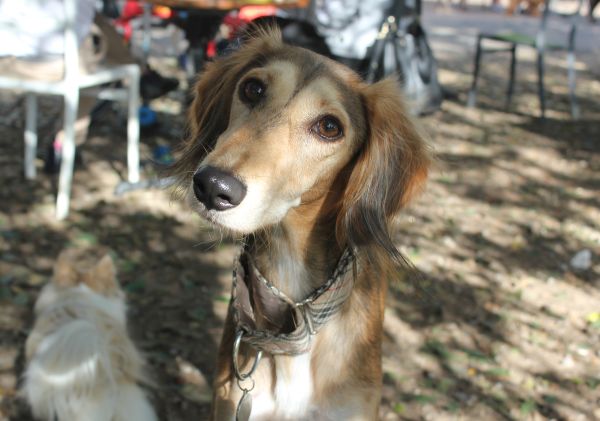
(217, 189)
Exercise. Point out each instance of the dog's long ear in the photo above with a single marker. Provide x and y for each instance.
(388, 171)
(208, 115)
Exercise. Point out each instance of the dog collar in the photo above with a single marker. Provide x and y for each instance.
(305, 317)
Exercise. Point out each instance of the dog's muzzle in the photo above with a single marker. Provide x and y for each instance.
(217, 189)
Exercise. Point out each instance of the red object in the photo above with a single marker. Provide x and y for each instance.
(162, 12)
(237, 20)
(249, 13)
(211, 49)
(131, 9)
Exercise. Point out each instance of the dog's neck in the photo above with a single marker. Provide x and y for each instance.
(300, 253)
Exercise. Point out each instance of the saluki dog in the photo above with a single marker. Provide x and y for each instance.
(309, 165)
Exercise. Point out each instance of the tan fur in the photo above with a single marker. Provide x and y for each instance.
(309, 200)
(75, 266)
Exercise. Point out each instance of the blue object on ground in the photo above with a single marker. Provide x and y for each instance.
(147, 116)
(162, 154)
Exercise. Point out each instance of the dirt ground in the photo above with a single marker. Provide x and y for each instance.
(498, 325)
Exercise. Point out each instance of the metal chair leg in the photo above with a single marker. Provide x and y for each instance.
(572, 82)
(68, 154)
(472, 98)
(541, 93)
(31, 137)
(374, 62)
(511, 81)
(133, 126)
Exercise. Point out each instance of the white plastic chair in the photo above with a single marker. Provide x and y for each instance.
(69, 88)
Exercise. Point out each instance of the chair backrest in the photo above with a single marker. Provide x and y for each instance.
(550, 10)
(71, 75)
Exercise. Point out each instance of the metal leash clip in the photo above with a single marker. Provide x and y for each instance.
(244, 406)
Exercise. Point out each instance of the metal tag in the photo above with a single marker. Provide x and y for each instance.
(244, 407)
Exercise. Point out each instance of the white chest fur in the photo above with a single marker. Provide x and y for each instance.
(292, 394)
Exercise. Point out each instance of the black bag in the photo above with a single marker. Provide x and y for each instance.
(294, 32)
(402, 49)
(110, 9)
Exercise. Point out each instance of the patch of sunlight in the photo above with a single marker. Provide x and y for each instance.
(579, 205)
(44, 210)
(168, 106)
(582, 232)
(560, 60)
(450, 77)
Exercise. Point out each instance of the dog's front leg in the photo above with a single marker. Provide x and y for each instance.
(224, 404)
(227, 393)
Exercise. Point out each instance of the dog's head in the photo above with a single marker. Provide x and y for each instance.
(84, 270)
(91, 267)
(273, 127)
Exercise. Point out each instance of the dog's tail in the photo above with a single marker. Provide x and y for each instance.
(73, 376)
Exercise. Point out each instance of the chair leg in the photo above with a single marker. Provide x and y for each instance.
(133, 126)
(472, 98)
(572, 82)
(31, 136)
(68, 154)
(511, 80)
(375, 60)
(541, 93)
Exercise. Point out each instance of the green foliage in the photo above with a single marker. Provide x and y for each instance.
(528, 407)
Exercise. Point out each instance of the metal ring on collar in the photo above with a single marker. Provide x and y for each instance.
(236, 349)
(246, 389)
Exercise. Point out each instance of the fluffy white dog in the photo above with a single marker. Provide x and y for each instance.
(81, 364)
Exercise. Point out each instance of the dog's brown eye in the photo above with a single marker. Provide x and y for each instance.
(252, 91)
(328, 128)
